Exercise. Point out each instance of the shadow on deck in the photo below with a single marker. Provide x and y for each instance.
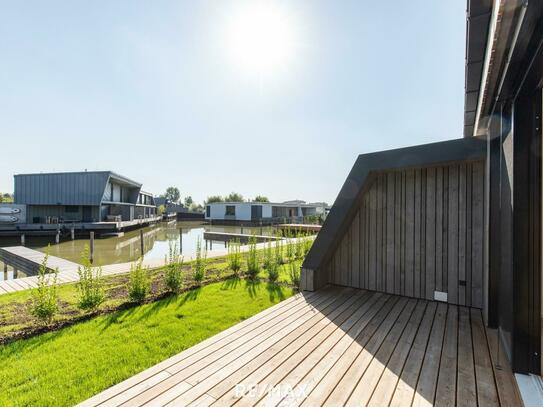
(336, 346)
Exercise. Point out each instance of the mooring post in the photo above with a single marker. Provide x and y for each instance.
(211, 245)
(57, 237)
(23, 239)
(72, 233)
(91, 247)
(225, 244)
(260, 228)
(5, 271)
(242, 228)
(142, 243)
(180, 240)
(14, 272)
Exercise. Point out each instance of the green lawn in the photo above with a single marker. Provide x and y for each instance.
(72, 364)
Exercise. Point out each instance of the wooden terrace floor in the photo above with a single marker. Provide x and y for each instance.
(338, 346)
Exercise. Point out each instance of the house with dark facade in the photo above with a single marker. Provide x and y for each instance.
(459, 221)
(82, 197)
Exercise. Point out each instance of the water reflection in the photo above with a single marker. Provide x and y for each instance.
(113, 250)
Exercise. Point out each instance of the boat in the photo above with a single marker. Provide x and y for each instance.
(8, 219)
(8, 210)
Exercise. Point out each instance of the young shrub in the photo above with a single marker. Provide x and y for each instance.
(279, 259)
(294, 273)
(269, 258)
(44, 303)
(139, 284)
(199, 265)
(299, 248)
(173, 271)
(234, 256)
(90, 285)
(308, 242)
(253, 264)
(290, 249)
(273, 272)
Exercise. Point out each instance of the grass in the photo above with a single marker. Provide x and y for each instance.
(69, 365)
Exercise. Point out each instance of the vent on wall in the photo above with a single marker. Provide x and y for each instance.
(440, 296)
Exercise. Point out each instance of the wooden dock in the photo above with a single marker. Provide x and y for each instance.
(29, 261)
(242, 238)
(296, 228)
(334, 347)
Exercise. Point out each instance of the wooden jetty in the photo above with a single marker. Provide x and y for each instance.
(295, 228)
(242, 238)
(29, 261)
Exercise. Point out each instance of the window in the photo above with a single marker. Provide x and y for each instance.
(71, 209)
(230, 210)
(208, 211)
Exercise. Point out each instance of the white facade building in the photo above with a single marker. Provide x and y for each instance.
(262, 211)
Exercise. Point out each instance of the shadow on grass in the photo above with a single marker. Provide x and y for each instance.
(191, 295)
(231, 283)
(275, 292)
(252, 286)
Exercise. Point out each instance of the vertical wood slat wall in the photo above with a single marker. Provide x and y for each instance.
(418, 231)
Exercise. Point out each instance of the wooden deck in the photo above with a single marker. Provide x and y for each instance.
(338, 346)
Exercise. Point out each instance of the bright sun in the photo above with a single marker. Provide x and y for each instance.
(260, 38)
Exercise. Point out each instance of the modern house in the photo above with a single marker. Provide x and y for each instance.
(82, 197)
(459, 221)
(265, 212)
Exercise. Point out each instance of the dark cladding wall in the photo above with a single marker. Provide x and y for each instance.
(418, 231)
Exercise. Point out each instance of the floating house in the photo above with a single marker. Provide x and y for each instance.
(265, 212)
(90, 199)
(459, 221)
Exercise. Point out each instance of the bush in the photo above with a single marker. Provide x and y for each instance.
(90, 285)
(294, 273)
(138, 282)
(299, 248)
(234, 256)
(200, 264)
(279, 259)
(269, 258)
(253, 264)
(308, 242)
(290, 249)
(44, 303)
(173, 271)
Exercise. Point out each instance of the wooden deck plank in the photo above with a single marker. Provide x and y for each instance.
(344, 387)
(323, 389)
(239, 349)
(446, 384)
(320, 370)
(405, 389)
(321, 329)
(291, 372)
(486, 387)
(384, 389)
(362, 393)
(223, 337)
(337, 346)
(466, 391)
(426, 386)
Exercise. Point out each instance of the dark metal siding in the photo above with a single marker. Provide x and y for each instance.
(60, 189)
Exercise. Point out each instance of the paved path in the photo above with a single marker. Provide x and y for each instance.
(68, 270)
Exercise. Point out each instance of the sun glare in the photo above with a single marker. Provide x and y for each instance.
(260, 38)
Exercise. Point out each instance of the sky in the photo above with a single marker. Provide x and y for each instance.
(195, 94)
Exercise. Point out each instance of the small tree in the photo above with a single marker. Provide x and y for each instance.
(299, 248)
(44, 303)
(138, 282)
(234, 197)
(234, 256)
(260, 198)
(173, 271)
(90, 285)
(279, 259)
(161, 209)
(188, 201)
(253, 264)
(294, 273)
(290, 249)
(172, 194)
(199, 265)
(214, 199)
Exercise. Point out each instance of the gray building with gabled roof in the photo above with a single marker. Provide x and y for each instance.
(89, 196)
